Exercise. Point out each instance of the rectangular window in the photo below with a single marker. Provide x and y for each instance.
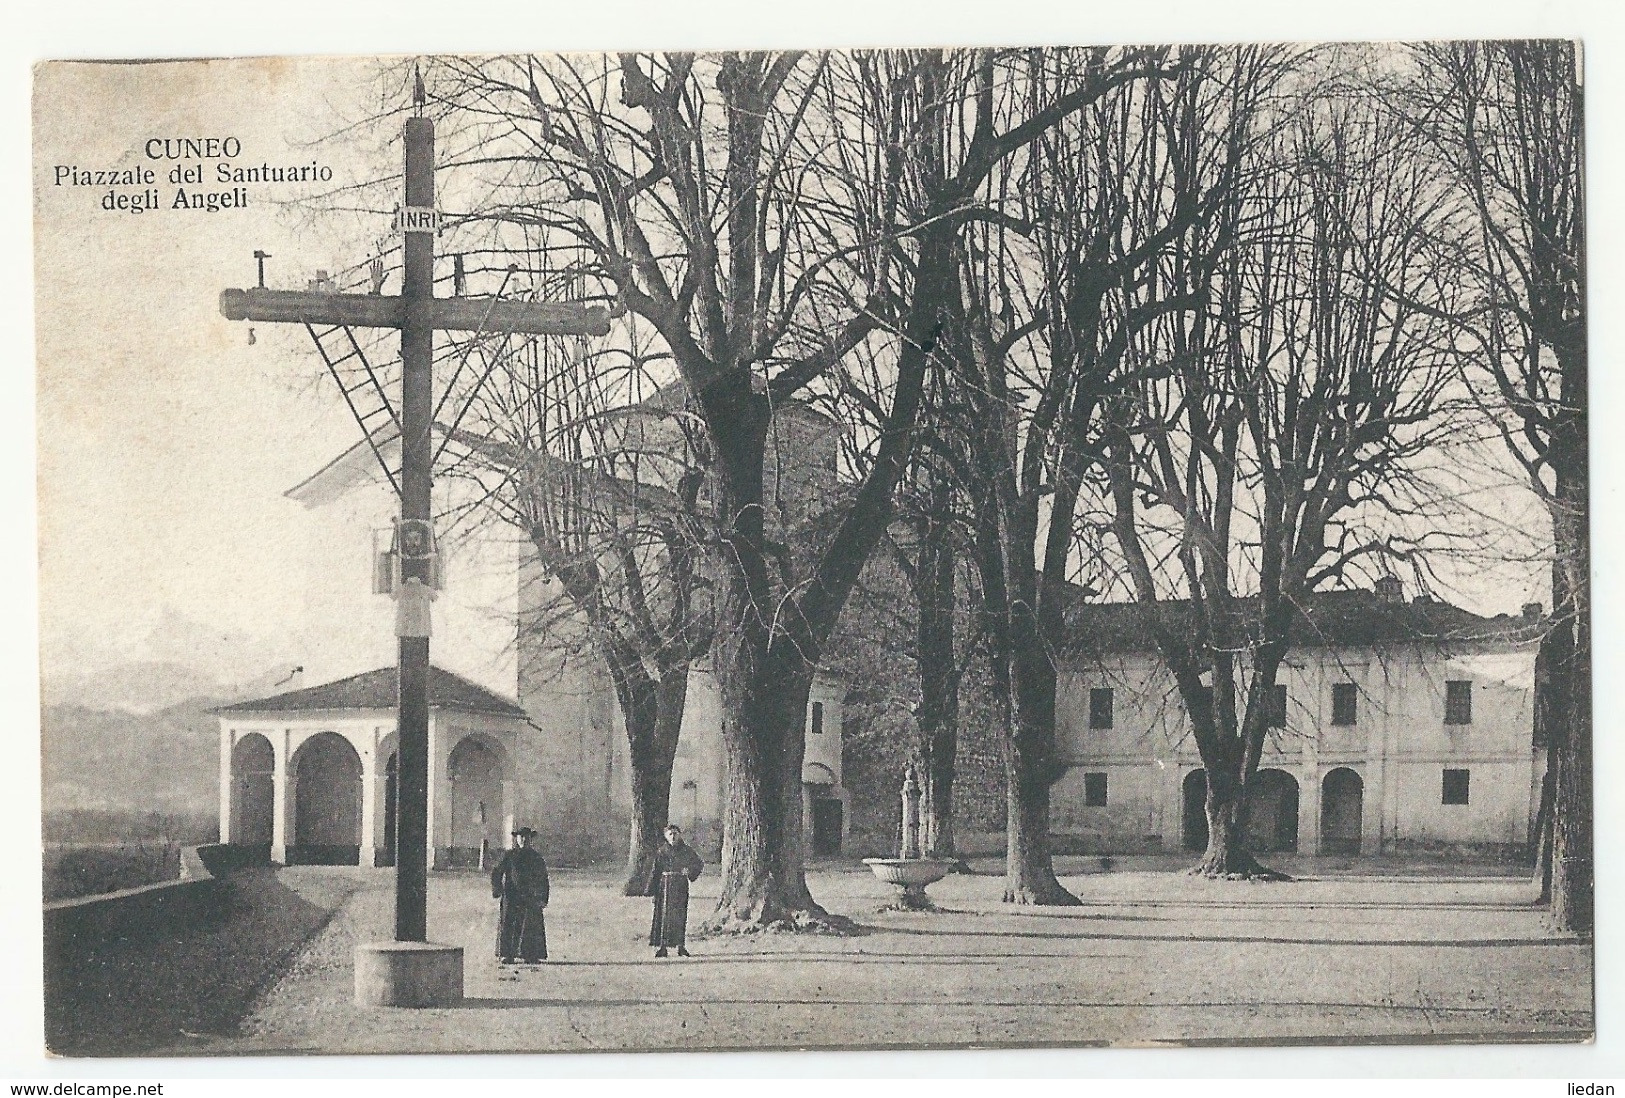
(817, 717)
(1345, 703)
(1455, 787)
(1094, 791)
(1458, 702)
(1100, 707)
(1277, 706)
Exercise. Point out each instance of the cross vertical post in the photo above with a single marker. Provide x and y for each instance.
(417, 401)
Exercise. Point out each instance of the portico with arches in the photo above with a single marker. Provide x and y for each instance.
(309, 775)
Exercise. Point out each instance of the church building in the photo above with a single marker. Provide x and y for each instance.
(308, 774)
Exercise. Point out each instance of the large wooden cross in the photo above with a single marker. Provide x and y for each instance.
(417, 313)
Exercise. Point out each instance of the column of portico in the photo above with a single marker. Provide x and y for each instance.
(439, 788)
(227, 742)
(510, 805)
(1375, 811)
(371, 773)
(1309, 795)
(383, 746)
(1170, 805)
(282, 798)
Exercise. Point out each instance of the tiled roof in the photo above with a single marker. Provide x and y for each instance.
(378, 690)
(1329, 619)
(674, 397)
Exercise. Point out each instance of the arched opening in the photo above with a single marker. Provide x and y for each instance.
(253, 792)
(476, 768)
(326, 802)
(392, 778)
(1195, 812)
(1272, 812)
(823, 813)
(1342, 811)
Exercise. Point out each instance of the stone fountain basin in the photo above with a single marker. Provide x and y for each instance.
(909, 872)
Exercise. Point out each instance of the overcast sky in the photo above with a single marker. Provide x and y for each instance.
(167, 441)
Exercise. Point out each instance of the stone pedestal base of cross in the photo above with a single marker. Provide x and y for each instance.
(417, 313)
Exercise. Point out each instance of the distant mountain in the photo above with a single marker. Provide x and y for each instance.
(144, 687)
(148, 687)
(155, 664)
(166, 761)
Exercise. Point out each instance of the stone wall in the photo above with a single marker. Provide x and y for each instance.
(879, 739)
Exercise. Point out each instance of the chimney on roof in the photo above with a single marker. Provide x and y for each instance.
(1532, 611)
(1389, 589)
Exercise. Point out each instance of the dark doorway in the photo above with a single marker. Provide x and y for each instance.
(327, 802)
(1272, 812)
(1195, 814)
(1342, 795)
(391, 778)
(826, 826)
(476, 770)
(253, 794)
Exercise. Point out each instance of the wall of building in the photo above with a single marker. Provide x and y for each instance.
(570, 748)
(1399, 746)
(699, 771)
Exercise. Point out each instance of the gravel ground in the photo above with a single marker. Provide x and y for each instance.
(1150, 957)
(129, 998)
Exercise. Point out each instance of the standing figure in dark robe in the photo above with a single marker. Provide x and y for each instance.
(520, 882)
(675, 865)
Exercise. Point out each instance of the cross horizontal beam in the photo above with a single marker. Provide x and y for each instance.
(376, 311)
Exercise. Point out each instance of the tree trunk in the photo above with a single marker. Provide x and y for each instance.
(764, 883)
(651, 802)
(1029, 871)
(1030, 770)
(939, 802)
(1227, 855)
(763, 696)
(1572, 875)
(937, 663)
(1572, 880)
(653, 750)
(1572, 865)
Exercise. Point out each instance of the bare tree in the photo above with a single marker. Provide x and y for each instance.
(929, 543)
(1281, 434)
(605, 489)
(1048, 310)
(1507, 118)
(765, 221)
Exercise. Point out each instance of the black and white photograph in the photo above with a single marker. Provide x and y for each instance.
(978, 547)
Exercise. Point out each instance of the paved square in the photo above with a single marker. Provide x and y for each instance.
(1149, 957)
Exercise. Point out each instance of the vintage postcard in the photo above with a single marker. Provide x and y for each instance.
(814, 550)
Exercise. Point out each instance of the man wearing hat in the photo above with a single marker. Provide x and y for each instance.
(520, 882)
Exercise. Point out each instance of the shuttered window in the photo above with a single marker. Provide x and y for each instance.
(1345, 703)
(1458, 702)
(1100, 707)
